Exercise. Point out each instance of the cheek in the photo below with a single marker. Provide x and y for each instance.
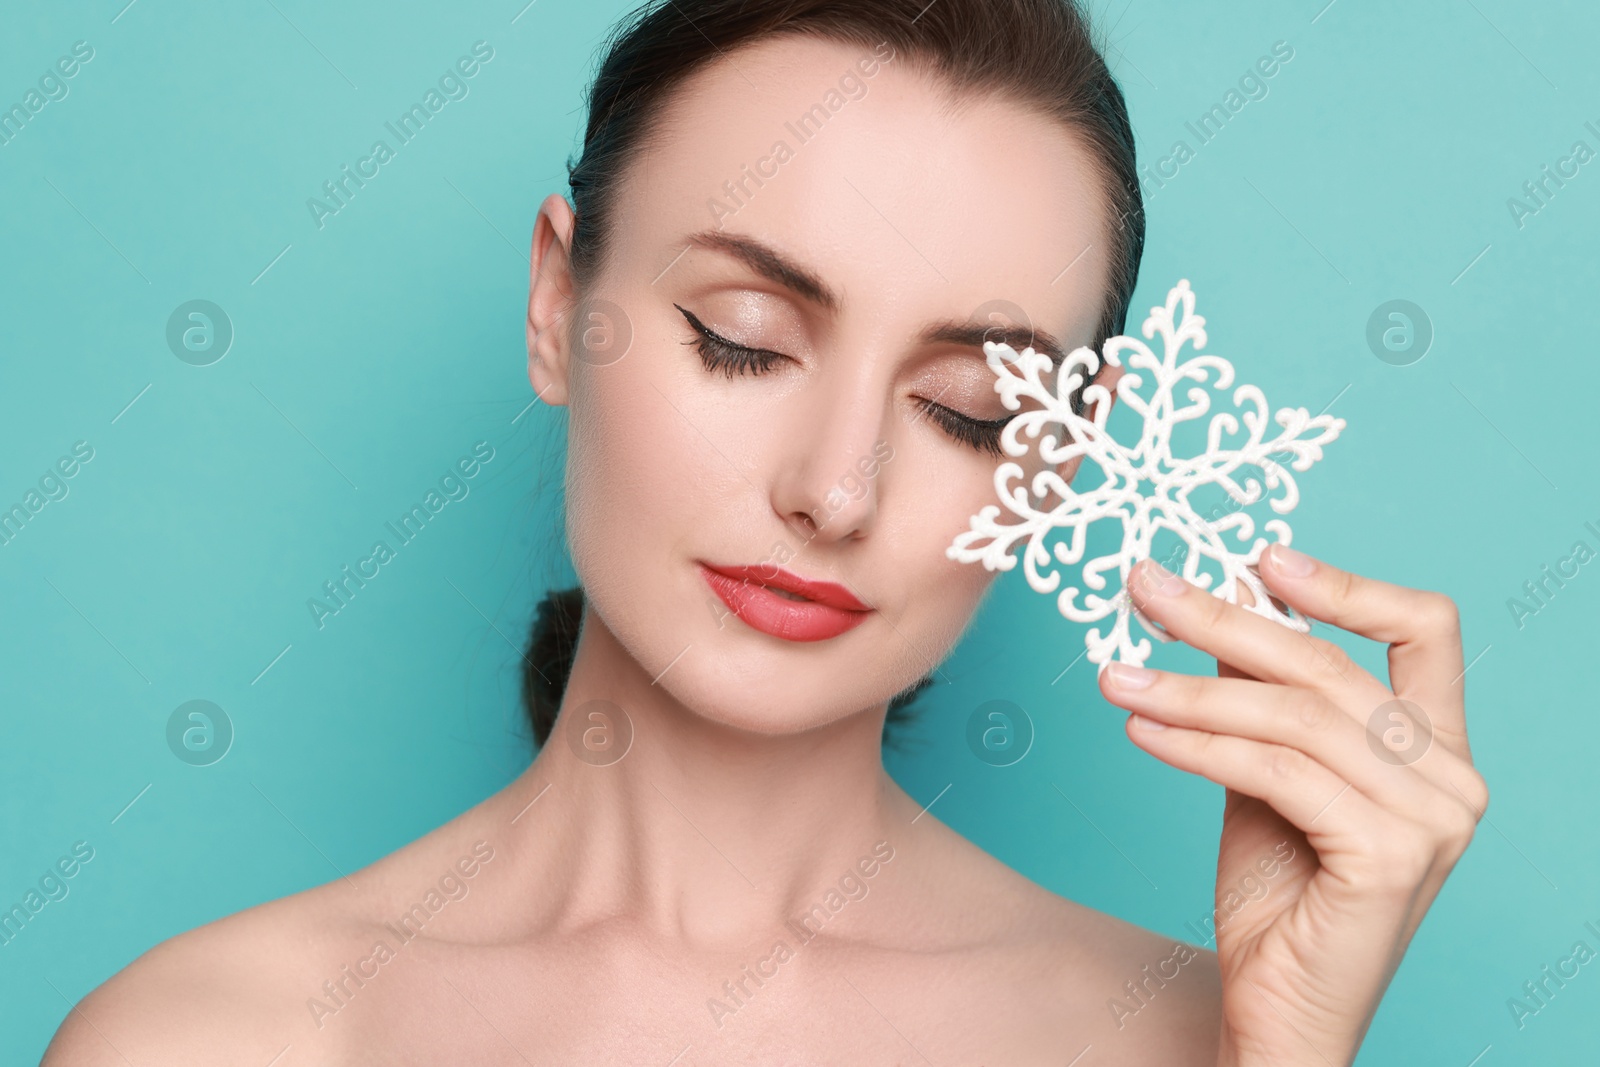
(628, 456)
(953, 592)
(941, 490)
(646, 491)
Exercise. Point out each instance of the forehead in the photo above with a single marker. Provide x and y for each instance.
(908, 202)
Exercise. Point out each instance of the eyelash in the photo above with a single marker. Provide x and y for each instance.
(981, 434)
(720, 354)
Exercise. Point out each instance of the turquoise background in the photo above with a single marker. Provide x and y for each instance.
(370, 354)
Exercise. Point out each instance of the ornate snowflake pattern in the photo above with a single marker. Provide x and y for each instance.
(1146, 487)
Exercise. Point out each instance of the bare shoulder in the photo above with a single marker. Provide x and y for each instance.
(211, 995)
(246, 987)
(1144, 990)
(1086, 975)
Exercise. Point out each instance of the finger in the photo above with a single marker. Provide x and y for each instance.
(1385, 852)
(1444, 768)
(1301, 719)
(1310, 796)
(1252, 644)
(1422, 629)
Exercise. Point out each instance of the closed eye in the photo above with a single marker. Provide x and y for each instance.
(981, 434)
(720, 354)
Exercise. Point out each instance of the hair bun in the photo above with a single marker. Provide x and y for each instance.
(547, 664)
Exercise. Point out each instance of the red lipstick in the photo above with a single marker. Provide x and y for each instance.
(755, 595)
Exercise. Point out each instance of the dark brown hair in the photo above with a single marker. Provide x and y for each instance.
(1039, 53)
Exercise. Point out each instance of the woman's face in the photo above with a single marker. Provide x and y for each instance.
(822, 220)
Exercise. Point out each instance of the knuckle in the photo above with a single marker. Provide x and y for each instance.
(1213, 611)
(1311, 711)
(1188, 691)
(1451, 832)
(1438, 613)
(1464, 826)
(1452, 823)
(1401, 858)
(1407, 870)
(1286, 764)
(1347, 586)
(1475, 791)
(1328, 660)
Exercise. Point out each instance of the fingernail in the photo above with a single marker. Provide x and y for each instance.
(1162, 580)
(1294, 564)
(1127, 676)
(1147, 724)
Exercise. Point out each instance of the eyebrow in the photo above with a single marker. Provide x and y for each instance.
(771, 265)
(779, 269)
(976, 333)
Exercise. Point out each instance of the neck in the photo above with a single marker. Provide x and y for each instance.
(699, 830)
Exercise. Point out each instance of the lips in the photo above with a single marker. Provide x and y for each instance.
(755, 596)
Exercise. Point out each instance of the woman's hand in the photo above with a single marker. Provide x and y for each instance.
(1297, 734)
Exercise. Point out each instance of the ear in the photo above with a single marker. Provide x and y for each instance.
(1108, 377)
(550, 299)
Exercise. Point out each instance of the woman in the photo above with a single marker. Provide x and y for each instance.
(764, 314)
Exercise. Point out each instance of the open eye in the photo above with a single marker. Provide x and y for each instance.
(720, 354)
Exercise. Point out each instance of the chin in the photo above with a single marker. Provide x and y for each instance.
(725, 671)
(772, 691)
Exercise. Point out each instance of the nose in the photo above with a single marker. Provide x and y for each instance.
(826, 484)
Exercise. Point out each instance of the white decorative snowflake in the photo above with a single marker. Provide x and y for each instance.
(1146, 487)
